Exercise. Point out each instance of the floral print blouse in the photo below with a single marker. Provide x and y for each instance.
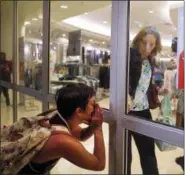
(140, 101)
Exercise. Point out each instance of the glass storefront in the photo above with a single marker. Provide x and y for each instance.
(29, 44)
(130, 52)
(78, 53)
(151, 37)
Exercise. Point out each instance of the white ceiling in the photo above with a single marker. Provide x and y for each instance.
(164, 17)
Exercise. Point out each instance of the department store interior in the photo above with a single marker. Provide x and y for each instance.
(80, 52)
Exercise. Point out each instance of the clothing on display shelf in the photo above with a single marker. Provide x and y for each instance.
(104, 77)
(28, 78)
(67, 77)
(38, 77)
(89, 80)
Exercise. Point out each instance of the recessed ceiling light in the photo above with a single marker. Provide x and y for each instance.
(85, 13)
(64, 6)
(34, 19)
(105, 22)
(26, 23)
(151, 11)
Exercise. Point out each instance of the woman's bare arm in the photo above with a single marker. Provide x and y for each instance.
(72, 150)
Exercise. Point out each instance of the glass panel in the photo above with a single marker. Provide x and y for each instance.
(80, 45)
(64, 167)
(6, 111)
(27, 106)
(6, 40)
(153, 159)
(29, 47)
(156, 75)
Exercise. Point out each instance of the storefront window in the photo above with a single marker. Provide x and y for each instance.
(80, 46)
(29, 47)
(156, 86)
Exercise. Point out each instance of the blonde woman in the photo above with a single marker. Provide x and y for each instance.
(145, 46)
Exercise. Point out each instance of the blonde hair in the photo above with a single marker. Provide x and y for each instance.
(148, 30)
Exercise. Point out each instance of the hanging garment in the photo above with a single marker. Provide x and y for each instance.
(104, 77)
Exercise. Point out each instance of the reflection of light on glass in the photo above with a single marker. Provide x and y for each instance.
(97, 52)
(54, 48)
(40, 42)
(103, 42)
(151, 11)
(34, 19)
(85, 13)
(63, 40)
(26, 23)
(89, 48)
(26, 50)
(91, 40)
(64, 6)
(40, 16)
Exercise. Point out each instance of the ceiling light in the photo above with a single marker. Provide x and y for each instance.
(63, 35)
(64, 6)
(41, 34)
(111, 5)
(105, 22)
(103, 42)
(91, 40)
(85, 13)
(34, 19)
(151, 11)
(40, 16)
(26, 23)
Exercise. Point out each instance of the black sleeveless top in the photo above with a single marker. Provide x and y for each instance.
(35, 168)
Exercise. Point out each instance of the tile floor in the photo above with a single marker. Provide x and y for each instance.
(166, 160)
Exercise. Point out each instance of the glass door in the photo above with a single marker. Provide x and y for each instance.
(148, 65)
